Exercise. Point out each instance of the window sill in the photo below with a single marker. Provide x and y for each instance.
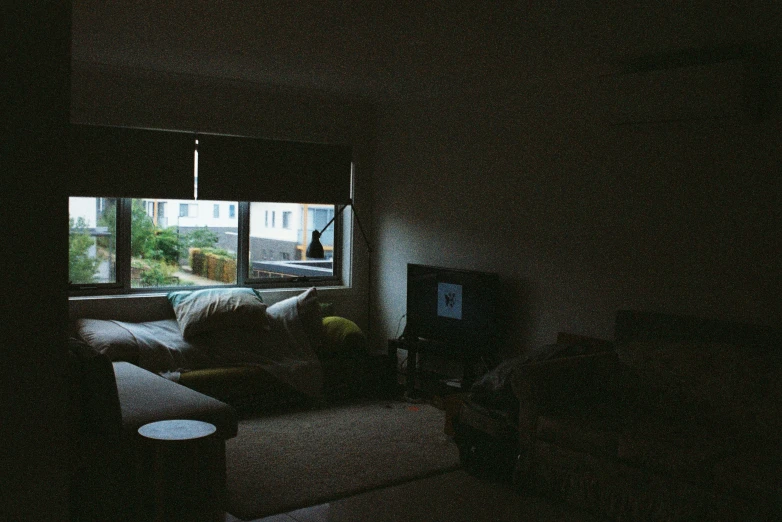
(154, 306)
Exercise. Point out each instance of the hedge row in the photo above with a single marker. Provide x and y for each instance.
(212, 266)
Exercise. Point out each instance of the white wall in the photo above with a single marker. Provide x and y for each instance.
(270, 226)
(83, 208)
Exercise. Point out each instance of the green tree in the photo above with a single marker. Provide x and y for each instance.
(81, 266)
(149, 241)
(164, 245)
(108, 217)
(199, 238)
(142, 230)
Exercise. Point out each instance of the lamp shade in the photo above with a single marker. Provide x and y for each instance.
(251, 169)
(315, 248)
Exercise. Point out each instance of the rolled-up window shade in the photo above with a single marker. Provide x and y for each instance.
(249, 169)
(126, 162)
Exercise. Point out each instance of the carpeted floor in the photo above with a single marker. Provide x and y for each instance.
(280, 463)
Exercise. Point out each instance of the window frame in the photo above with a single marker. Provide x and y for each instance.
(122, 286)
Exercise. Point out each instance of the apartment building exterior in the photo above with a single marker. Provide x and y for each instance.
(278, 232)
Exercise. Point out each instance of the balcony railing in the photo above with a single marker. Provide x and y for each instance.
(292, 269)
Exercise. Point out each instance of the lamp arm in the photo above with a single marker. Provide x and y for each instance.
(369, 257)
(360, 227)
(322, 230)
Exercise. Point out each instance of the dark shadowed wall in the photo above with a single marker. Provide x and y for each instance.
(36, 424)
(516, 162)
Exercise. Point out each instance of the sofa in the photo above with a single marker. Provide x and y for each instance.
(210, 362)
(680, 421)
(236, 353)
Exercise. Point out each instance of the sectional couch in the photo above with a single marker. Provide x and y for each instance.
(214, 365)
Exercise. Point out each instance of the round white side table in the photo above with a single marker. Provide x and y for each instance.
(180, 463)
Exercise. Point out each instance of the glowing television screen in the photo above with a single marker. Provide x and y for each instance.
(453, 306)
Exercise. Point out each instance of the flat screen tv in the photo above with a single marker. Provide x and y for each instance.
(452, 306)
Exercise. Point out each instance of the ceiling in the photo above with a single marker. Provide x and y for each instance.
(383, 49)
(367, 48)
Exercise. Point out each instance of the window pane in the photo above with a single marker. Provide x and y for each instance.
(280, 252)
(193, 248)
(92, 253)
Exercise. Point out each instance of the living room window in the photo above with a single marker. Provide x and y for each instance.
(191, 251)
(179, 238)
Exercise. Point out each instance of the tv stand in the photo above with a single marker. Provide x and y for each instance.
(467, 357)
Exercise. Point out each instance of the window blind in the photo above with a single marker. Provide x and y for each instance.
(128, 162)
(250, 169)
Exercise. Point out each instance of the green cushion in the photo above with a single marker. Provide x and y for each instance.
(342, 337)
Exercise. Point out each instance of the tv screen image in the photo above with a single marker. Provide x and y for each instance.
(449, 300)
(453, 306)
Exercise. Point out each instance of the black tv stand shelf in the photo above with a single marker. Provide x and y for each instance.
(467, 357)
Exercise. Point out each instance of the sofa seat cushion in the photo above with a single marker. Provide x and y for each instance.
(686, 451)
(715, 381)
(588, 431)
(230, 383)
(145, 397)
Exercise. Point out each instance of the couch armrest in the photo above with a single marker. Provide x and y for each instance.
(559, 383)
(342, 338)
(147, 397)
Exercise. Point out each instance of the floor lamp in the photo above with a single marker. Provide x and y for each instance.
(315, 251)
